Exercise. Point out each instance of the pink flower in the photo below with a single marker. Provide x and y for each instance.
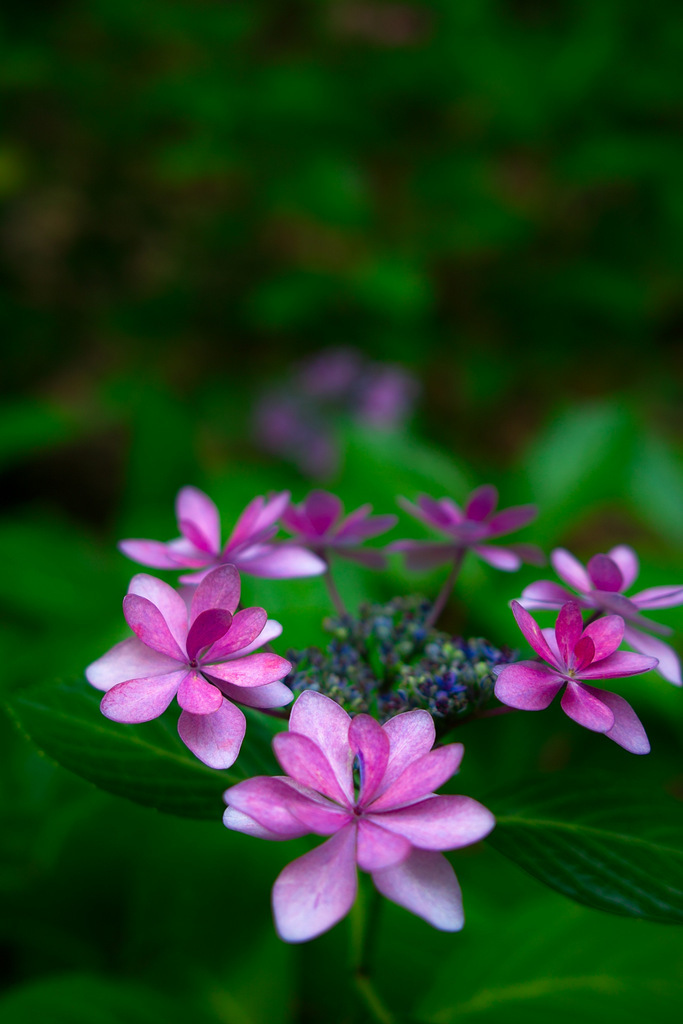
(203, 661)
(249, 546)
(319, 524)
(575, 655)
(392, 828)
(472, 528)
(601, 584)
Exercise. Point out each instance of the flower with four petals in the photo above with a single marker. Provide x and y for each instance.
(319, 523)
(391, 825)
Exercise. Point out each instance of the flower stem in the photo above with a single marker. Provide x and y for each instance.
(365, 922)
(334, 593)
(446, 589)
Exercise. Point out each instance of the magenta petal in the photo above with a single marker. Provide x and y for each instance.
(570, 570)
(273, 802)
(499, 558)
(584, 653)
(669, 666)
(411, 735)
(437, 513)
(659, 597)
(239, 822)
(327, 724)
(370, 743)
(425, 884)
(150, 552)
(568, 630)
(216, 738)
(317, 890)
(208, 627)
(140, 700)
(439, 822)
(249, 520)
(532, 633)
(586, 708)
(377, 848)
(511, 519)
(281, 822)
(196, 508)
(605, 574)
(421, 777)
(254, 670)
(246, 626)
(219, 589)
(360, 526)
(618, 665)
(304, 761)
(481, 503)
(167, 600)
(272, 695)
(322, 510)
(528, 686)
(271, 631)
(627, 730)
(129, 659)
(423, 555)
(627, 561)
(150, 626)
(544, 594)
(607, 634)
(198, 696)
(280, 562)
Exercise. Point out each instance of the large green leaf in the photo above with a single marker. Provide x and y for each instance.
(145, 763)
(598, 843)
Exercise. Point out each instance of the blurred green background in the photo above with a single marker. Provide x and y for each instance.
(198, 197)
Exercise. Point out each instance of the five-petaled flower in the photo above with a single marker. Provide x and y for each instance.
(319, 523)
(577, 656)
(206, 660)
(473, 528)
(250, 546)
(600, 585)
(392, 825)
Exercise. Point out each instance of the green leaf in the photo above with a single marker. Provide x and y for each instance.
(146, 763)
(598, 843)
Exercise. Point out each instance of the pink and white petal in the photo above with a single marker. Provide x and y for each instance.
(378, 848)
(272, 695)
(254, 670)
(279, 562)
(271, 631)
(150, 626)
(627, 730)
(605, 574)
(239, 822)
(370, 744)
(420, 778)
(586, 708)
(481, 503)
(570, 570)
(281, 822)
(544, 594)
(528, 686)
(532, 633)
(247, 625)
(198, 696)
(607, 634)
(659, 597)
(411, 736)
(219, 589)
(327, 724)
(627, 560)
(423, 555)
(188, 554)
(323, 510)
(439, 822)
(360, 526)
(617, 665)
(246, 524)
(317, 890)
(568, 630)
(669, 665)
(369, 558)
(196, 508)
(274, 802)
(304, 761)
(271, 510)
(500, 558)
(129, 659)
(511, 519)
(167, 600)
(150, 552)
(141, 700)
(207, 628)
(425, 884)
(216, 738)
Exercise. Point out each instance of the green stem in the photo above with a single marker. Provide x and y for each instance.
(365, 924)
(446, 589)
(334, 593)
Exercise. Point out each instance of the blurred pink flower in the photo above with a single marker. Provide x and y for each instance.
(601, 584)
(575, 655)
(249, 546)
(472, 528)
(392, 828)
(319, 523)
(203, 659)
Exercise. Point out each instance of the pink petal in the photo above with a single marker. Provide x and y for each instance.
(584, 653)
(544, 594)
(247, 625)
(659, 597)
(274, 802)
(425, 884)
(198, 696)
(153, 553)
(512, 519)
(327, 724)
(167, 600)
(421, 777)
(627, 730)
(271, 631)
(618, 665)
(532, 633)
(246, 524)
(499, 558)
(606, 634)
(422, 555)
(150, 626)
(440, 514)
(669, 666)
(296, 521)
(208, 627)
(605, 574)
(439, 822)
(411, 736)
(188, 554)
(586, 708)
(215, 739)
(377, 848)
(317, 890)
(627, 560)
(196, 510)
(141, 700)
(280, 562)
(568, 629)
(272, 695)
(370, 743)
(361, 526)
(370, 558)
(219, 589)
(129, 659)
(481, 503)
(254, 670)
(323, 510)
(529, 553)
(624, 606)
(528, 686)
(570, 570)
(239, 822)
(304, 761)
